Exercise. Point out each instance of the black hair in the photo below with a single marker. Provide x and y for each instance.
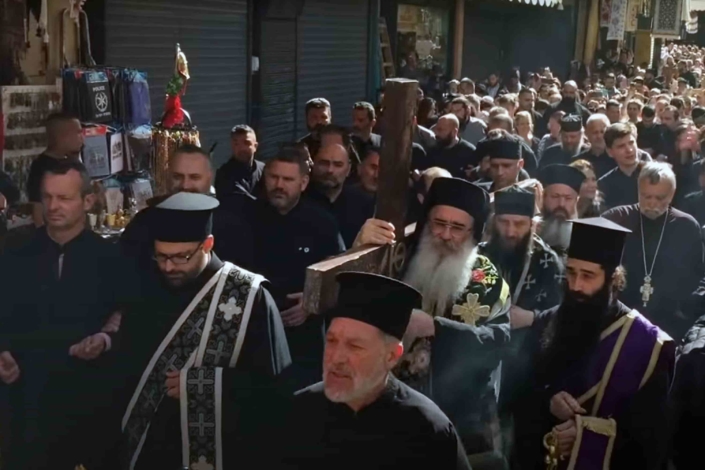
(62, 167)
(293, 153)
(317, 103)
(369, 150)
(241, 129)
(364, 105)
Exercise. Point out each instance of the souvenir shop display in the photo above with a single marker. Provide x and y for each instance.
(175, 128)
(116, 204)
(23, 134)
(108, 95)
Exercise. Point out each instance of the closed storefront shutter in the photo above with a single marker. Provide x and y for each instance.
(278, 77)
(332, 56)
(213, 35)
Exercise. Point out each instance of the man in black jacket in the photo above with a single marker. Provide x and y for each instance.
(242, 170)
(292, 233)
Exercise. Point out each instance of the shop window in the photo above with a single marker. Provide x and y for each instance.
(422, 42)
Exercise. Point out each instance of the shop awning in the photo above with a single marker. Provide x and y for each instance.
(543, 3)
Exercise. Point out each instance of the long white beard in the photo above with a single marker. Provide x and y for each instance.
(556, 232)
(440, 277)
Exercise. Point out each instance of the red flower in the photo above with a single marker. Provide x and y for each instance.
(478, 275)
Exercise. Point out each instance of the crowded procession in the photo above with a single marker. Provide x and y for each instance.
(502, 269)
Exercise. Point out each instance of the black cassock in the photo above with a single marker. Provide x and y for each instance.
(688, 399)
(642, 422)
(678, 267)
(54, 297)
(248, 389)
(402, 429)
(619, 188)
(539, 289)
(555, 155)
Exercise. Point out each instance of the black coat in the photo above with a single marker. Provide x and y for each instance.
(688, 398)
(402, 429)
(285, 245)
(58, 401)
(676, 272)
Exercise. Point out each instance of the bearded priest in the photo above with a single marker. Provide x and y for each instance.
(456, 343)
(598, 373)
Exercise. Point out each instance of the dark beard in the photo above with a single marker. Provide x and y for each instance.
(444, 143)
(508, 261)
(574, 331)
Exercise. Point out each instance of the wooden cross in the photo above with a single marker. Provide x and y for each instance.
(320, 289)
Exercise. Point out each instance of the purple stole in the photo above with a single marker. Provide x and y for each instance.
(623, 362)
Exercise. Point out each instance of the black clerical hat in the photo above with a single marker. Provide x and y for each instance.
(506, 148)
(183, 217)
(562, 174)
(376, 300)
(458, 193)
(597, 240)
(514, 201)
(571, 123)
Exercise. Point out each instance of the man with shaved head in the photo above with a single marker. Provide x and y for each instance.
(451, 152)
(64, 142)
(191, 171)
(349, 205)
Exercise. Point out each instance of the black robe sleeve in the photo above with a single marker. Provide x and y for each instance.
(462, 361)
(688, 399)
(265, 351)
(253, 393)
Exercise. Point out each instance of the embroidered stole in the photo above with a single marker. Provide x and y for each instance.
(625, 360)
(206, 339)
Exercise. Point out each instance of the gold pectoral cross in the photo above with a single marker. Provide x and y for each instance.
(646, 290)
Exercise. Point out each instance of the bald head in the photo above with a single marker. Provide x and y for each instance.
(446, 130)
(64, 135)
(190, 170)
(570, 89)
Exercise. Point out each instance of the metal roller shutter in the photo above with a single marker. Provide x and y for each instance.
(332, 56)
(278, 77)
(213, 34)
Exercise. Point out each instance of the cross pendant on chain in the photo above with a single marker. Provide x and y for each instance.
(646, 290)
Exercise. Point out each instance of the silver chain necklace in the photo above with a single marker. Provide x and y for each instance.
(647, 289)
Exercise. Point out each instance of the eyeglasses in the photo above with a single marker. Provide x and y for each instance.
(456, 230)
(176, 259)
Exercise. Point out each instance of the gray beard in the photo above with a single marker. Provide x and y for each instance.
(440, 278)
(556, 232)
(572, 152)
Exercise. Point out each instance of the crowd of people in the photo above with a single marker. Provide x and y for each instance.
(555, 274)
